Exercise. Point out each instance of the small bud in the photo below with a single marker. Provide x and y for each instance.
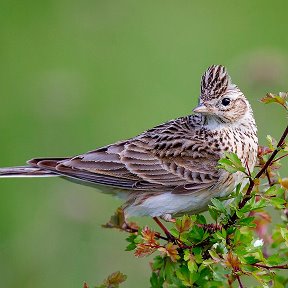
(284, 182)
(258, 243)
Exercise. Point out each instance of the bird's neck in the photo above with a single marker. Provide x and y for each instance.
(212, 122)
(215, 123)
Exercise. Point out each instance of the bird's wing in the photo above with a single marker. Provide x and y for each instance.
(168, 157)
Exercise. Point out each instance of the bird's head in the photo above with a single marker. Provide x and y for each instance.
(220, 98)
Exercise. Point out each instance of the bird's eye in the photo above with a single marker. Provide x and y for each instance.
(225, 101)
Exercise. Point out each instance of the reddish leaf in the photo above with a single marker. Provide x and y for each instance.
(232, 261)
(171, 251)
(281, 99)
(284, 183)
(143, 250)
(183, 224)
(115, 279)
(263, 150)
(117, 220)
(148, 236)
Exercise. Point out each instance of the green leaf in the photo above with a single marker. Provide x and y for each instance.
(248, 221)
(278, 203)
(201, 219)
(275, 260)
(131, 238)
(231, 163)
(192, 266)
(284, 234)
(168, 270)
(235, 160)
(130, 247)
(226, 165)
(206, 263)
(251, 260)
(252, 204)
(132, 244)
(272, 143)
(280, 281)
(158, 263)
(260, 204)
(220, 236)
(272, 191)
(138, 239)
(214, 255)
(197, 234)
(156, 281)
(184, 275)
(214, 213)
(197, 252)
(218, 205)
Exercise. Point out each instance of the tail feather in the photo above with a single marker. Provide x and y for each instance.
(35, 161)
(25, 171)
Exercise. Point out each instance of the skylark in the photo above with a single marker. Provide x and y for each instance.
(171, 169)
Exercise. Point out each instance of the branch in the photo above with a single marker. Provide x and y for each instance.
(285, 155)
(271, 267)
(239, 281)
(268, 177)
(260, 173)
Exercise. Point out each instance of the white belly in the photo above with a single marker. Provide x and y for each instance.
(179, 204)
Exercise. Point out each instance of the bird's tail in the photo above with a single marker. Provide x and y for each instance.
(25, 171)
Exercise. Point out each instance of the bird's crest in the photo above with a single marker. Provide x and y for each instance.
(215, 82)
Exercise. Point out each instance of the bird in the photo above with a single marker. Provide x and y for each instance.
(171, 169)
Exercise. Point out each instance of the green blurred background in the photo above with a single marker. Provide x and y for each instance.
(75, 75)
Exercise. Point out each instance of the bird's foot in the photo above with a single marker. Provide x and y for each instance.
(168, 218)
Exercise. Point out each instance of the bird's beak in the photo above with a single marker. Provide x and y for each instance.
(201, 108)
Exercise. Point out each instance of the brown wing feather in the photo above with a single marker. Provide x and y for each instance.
(169, 157)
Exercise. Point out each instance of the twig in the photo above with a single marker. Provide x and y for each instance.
(239, 281)
(165, 230)
(271, 267)
(268, 177)
(247, 167)
(130, 229)
(285, 155)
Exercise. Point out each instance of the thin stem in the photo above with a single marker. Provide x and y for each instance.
(268, 177)
(239, 281)
(271, 267)
(247, 195)
(247, 167)
(160, 224)
(164, 229)
(285, 155)
(169, 236)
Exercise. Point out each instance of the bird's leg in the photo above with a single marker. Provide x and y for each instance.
(164, 229)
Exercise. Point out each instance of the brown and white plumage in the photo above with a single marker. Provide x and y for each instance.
(170, 169)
